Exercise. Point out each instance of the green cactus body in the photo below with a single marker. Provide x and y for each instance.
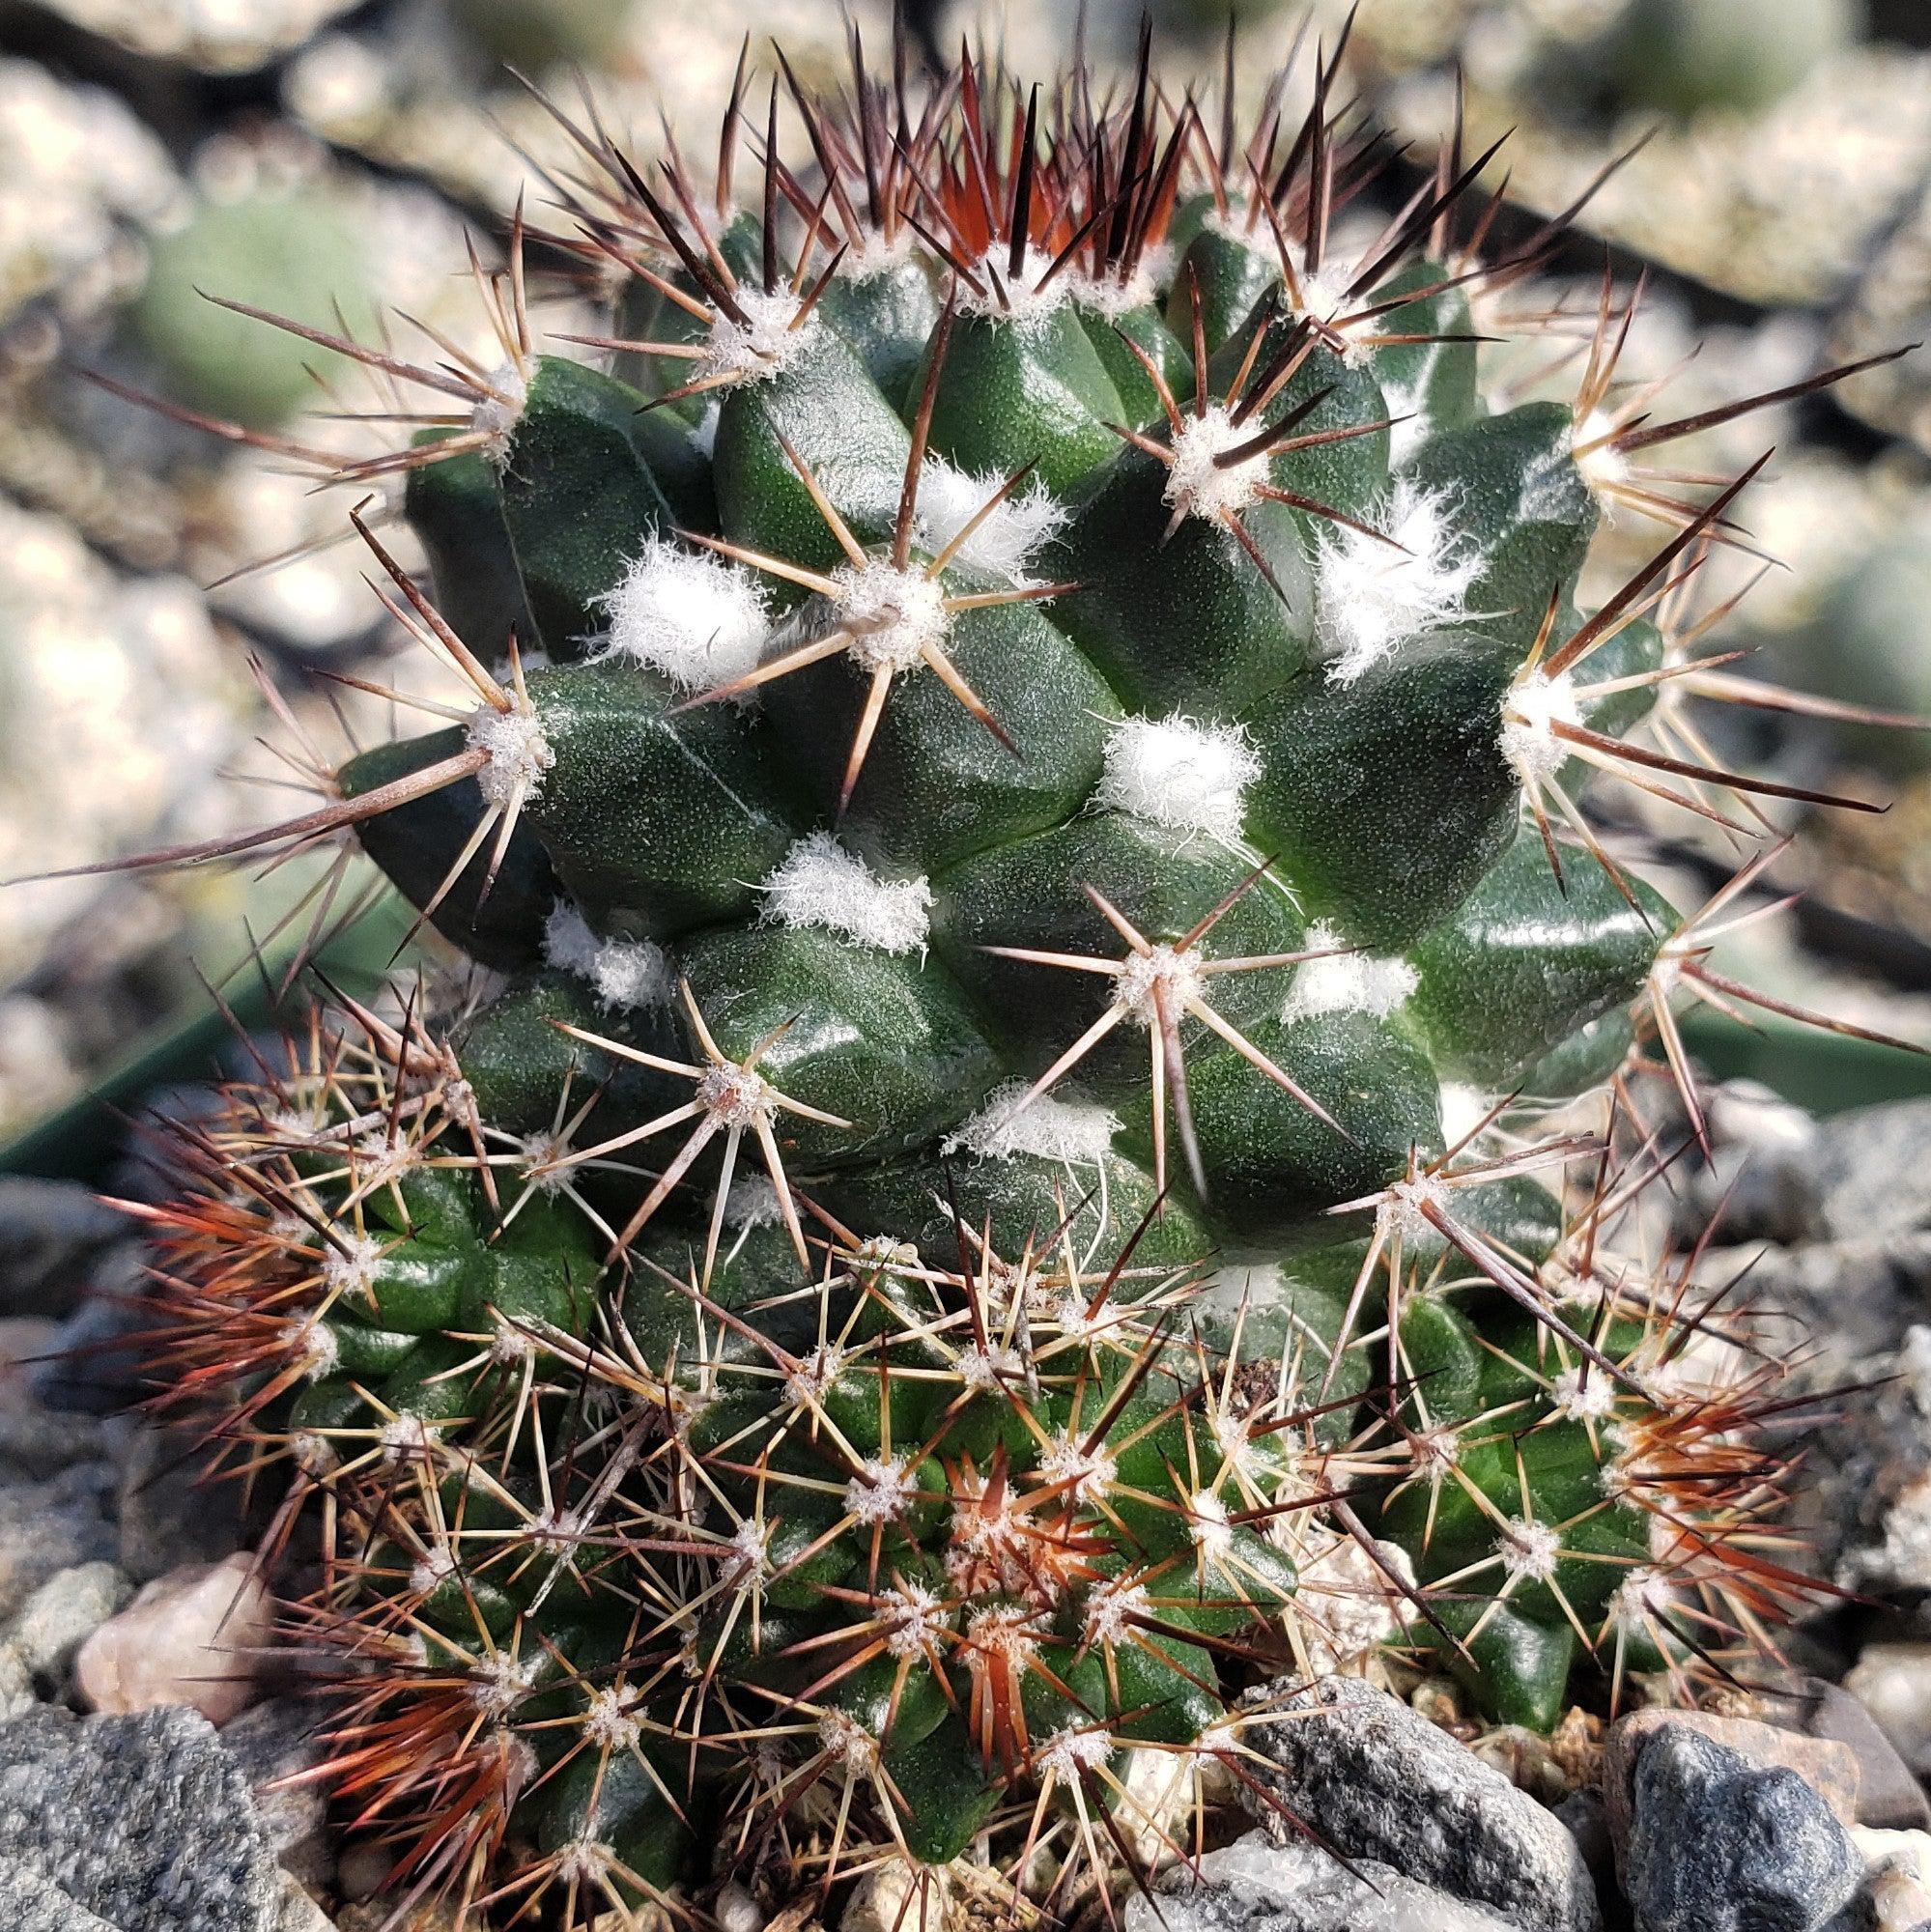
(986, 1200)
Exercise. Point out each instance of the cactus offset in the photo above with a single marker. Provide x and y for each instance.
(1016, 785)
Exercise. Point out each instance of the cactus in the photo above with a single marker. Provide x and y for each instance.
(1013, 799)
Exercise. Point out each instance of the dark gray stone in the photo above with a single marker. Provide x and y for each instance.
(1374, 1780)
(52, 1235)
(47, 1527)
(1716, 1845)
(272, 1742)
(145, 1821)
(170, 1514)
(1256, 1886)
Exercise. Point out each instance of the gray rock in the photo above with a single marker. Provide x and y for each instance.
(1379, 1782)
(1719, 1846)
(300, 1913)
(272, 1742)
(47, 1527)
(1888, 1797)
(38, 1442)
(64, 1612)
(52, 1235)
(1256, 1886)
(169, 1515)
(30, 1903)
(1873, 1171)
(38, 1648)
(145, 1821)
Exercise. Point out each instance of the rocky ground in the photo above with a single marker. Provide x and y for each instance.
(154, 1736)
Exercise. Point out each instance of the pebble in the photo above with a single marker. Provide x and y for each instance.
(1872, 1172)
(1256, 1886)
(1829, 1767)
(53, 1526)
(145, 1822)
(1892, 1682)
(1890, 1795)
(1379, 1782)
(1898, 1883)
(193, 1637)
(1717, 1845)
(37, 1649)
(298, 1911)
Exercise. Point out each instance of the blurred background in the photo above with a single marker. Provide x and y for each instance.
(336, 161)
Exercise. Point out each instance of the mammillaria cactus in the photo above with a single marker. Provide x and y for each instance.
(1013, 798)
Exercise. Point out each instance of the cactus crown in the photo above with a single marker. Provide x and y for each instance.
(1015, 797)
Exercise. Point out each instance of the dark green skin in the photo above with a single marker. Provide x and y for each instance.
(1433, 381)
(1385, 800)
(872, 1038)
(1026, 1197)
(1029, 392)
(665, 818)
(1231, 276)
(455, 509)
(1186, 622)
(1274, 1169)
(585, 479)
(1030, 894)
(1143, 325)
(845, 433)
(1525, 509)
(887, 318)
(416, 843)
(937, 785)
(1525, 962)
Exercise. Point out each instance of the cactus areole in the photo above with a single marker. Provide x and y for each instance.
(1035, 1132)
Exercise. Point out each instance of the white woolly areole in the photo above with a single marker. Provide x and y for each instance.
(1347, 982)
(1213, 1533)
(379, 1159)
(622, 972)
(1111, 1609)
(498, 413)
(1003, 545)
(1531, 1550)
(1603, 468)
(520, 754)
(1643, 1594)
(735, 1096)
(880, 1490)
(698, 619)
(1161, 970)
(1583, 1396)
(351, 1268)
(1070, 1750)
(498, 1682)
(1111, 295)
(987, 1368)
(1050, 1128)
(1196, 482)
(1086, 1473)
(315, 1349)
(1179, 773)
(894, 616)
(877, 254)
(1535, 705)
(1403, 1209)
(406, 1437)
(845, 1741)
(764, 344)
(1025, 299)
(1373, 597)
(608, 1724)
(914, 1616)
(1352, 1602)
(753, 1203)
(819, 883)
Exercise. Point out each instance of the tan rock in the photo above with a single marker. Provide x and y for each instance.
(193, 1636)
